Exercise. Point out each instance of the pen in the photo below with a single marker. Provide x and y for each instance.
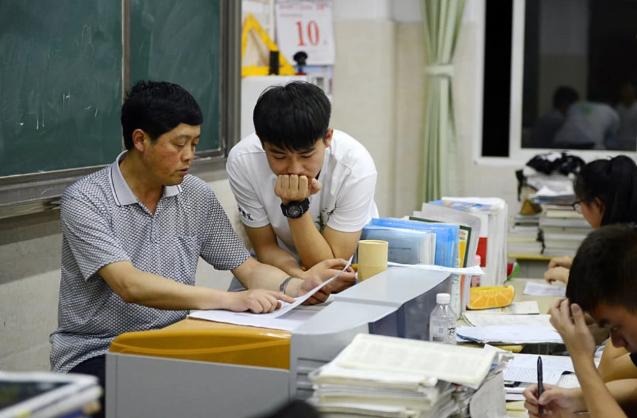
(540, 383)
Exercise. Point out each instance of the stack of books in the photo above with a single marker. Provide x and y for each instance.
(563, 229)
(524, 236)
(393, 377)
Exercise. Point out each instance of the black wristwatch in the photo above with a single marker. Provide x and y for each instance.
(295, 209)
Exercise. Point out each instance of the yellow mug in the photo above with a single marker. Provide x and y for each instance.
(372, 258)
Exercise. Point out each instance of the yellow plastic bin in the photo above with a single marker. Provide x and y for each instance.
(199, 340)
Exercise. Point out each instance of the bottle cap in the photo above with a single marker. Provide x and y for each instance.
(443, 298)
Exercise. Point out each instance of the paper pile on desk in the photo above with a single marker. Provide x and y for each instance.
(394, 377)
(508, 329)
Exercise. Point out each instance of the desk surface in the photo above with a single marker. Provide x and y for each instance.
(544, 302)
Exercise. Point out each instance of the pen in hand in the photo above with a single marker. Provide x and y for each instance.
(540, 384)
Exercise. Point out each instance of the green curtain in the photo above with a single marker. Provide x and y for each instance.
(442, 19)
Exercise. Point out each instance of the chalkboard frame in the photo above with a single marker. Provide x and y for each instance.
(25, 194)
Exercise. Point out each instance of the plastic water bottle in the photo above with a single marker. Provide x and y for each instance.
(442, 321)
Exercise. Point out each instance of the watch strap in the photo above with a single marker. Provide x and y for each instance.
(284, 284)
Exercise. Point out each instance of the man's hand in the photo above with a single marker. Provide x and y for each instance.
(556, 274)
(323, 271)
(563, 261)
(255, 300)
(293, 188)
(557, 402)
(569, 321)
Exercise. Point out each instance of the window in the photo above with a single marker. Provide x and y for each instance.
(559, 74)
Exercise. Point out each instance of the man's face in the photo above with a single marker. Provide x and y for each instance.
(307, 162)
(621, 322)
(169, 157)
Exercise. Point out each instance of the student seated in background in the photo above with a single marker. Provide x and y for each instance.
(134, 231)
(304, 190)
(602, 284)
(606, 193)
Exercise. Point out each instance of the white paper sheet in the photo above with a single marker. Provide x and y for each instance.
(509, 334)
(528, 307)
(480, 319)
(285, 318)
(544, 289)
(523, 368)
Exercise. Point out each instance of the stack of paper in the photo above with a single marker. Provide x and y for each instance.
(393, 377)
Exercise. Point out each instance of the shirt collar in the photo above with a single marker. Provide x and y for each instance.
(122, 194)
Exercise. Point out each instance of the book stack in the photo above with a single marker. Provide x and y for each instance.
(524, 236)
(563, 230)
(492, 241)
(393, 377)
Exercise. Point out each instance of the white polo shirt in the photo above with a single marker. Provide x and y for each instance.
(345, 202)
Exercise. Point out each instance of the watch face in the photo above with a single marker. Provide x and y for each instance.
(294, 211)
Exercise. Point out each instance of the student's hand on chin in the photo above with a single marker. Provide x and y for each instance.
(292, 188)
(569, 321)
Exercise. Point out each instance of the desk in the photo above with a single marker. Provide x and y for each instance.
(544, 302)
(146, 378)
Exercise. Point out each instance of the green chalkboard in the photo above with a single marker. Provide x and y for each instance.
(60, 84)
(64, 65)
(179, 41)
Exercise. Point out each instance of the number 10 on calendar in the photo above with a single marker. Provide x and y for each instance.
(306, 26)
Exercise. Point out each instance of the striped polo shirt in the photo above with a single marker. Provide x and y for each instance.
(103, 222)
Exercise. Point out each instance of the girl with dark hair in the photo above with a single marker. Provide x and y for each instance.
(606, 193)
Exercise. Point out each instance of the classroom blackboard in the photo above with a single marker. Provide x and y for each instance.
(60, 84)
(179, 41)
(65, 64)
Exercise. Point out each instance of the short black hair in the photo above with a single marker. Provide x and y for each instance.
(157, 107)
(292, 117)
(605, 268)
(612, 181)
(564, 96)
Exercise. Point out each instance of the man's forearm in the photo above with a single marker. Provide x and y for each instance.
(148, 289)
(278, 257)
(600, 400)
(310, 244)
(253, 274)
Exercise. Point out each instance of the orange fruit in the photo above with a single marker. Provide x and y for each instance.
(489, 297)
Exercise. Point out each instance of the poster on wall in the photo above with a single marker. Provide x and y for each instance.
(306, 26)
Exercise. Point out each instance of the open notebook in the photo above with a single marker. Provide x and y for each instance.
(389, 359)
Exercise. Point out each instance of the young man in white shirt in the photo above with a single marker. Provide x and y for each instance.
(304, 190)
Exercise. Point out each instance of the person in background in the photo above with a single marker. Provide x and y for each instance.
(132, 234)
(588, 125)
(547, 125)
(627, 111)
(603, 285)
(606, 193)
(304, 190)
